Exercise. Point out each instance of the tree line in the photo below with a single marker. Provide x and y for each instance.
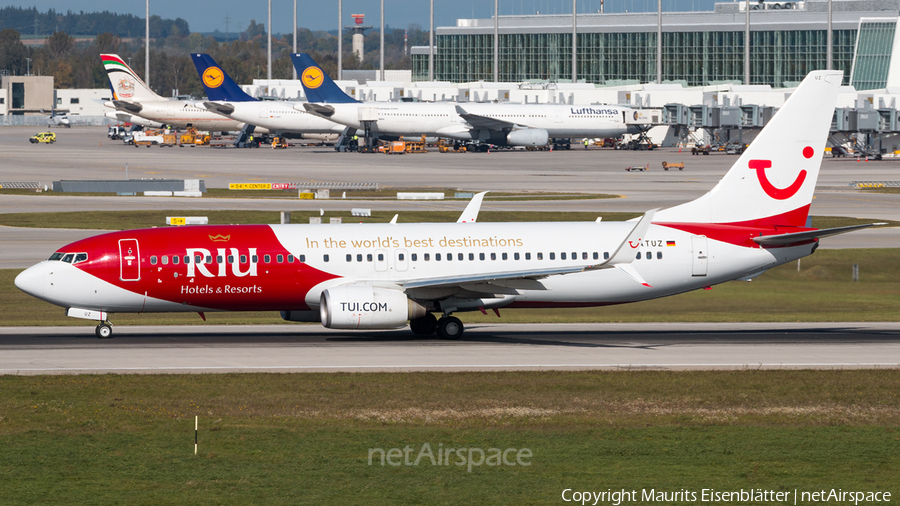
(78, 65)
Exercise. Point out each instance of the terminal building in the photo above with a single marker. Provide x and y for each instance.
(787, 40)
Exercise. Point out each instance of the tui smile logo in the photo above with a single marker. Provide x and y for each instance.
(312, 77)
(771, 190)
(213, 77)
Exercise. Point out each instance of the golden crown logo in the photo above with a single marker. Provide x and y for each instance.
(220, 238)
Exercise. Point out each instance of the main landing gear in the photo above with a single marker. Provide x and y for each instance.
(448, 327)
(104, 330)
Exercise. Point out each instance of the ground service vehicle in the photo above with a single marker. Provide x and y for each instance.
(43, 137)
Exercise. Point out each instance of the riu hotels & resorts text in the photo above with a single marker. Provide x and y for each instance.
(711, 495)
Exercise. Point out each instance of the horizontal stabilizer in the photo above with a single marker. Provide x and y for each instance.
(801, 237)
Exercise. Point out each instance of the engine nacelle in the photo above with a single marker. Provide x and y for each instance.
(366, 307)
(528, 137)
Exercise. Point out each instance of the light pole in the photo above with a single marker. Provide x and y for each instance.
(129, 62)
(147, 49)
(28, 68)
(295, 36)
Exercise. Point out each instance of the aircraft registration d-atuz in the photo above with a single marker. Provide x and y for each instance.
(380, 276)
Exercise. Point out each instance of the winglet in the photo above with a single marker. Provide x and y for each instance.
(470, 215)
(625, 253)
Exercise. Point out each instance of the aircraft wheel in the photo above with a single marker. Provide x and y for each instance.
(104, 330)
(449, 327)
(423, 326)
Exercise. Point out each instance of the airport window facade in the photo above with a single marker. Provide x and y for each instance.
(876, 40)
(777, 58)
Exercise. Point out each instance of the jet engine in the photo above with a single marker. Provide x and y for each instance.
(367, 307)
(528, 137)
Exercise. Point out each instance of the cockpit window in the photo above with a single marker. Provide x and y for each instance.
(80, 257)
(68, 258)
(56, 256)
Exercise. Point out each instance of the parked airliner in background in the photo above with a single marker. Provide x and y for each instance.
(132, 96)
(494, 123)
(227, 99)
(378, 276)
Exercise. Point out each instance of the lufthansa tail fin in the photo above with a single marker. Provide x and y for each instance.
(126, 85)
(772, 183)
(317, 85)
(216, 82)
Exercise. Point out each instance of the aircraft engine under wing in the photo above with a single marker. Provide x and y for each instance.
(514, 134)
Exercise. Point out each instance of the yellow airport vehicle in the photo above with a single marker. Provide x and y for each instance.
(45, 137)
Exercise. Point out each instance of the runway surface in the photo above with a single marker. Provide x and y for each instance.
(310, 348)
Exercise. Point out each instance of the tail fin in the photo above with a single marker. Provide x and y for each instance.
(125, 83)
(773, 181)
(216, 82)
(316, 83)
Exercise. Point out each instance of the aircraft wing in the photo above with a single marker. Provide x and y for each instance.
(485, 122)
(801, 237)
(621, 259)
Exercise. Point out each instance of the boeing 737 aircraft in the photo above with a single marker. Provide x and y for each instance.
(227, 99)
(379, 276)
(132, 96)
(500, 124)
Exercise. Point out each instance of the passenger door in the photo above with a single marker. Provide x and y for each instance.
(129, 260)
(700, 255)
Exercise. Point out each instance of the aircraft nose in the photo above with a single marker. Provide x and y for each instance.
(31, 280)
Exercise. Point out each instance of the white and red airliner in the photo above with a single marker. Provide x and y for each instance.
(378, 276)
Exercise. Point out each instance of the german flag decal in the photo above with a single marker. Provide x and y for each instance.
(670, 243)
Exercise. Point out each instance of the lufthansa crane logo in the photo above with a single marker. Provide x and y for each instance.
(312, 77)
(760, 167)
(213, 77)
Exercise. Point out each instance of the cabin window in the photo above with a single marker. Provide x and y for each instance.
(267, 258)
(279, 258)
(516, 255)
(493, 256)
(152, 259)
(165, 259)
(504, 256)
(584, 255)
(606, 255)
(243, 259)
(596, 256)
(458, 256)
(540, 256)
(302, 259)
(401, 256)
(481, 256)
(349, 257)
(649, 255)
(230, 259)
(359, 257)
(198, 259)
(80, 257)
(427, 256)
(562, 256)
(209, 259)
(381, 257)
(290, 259)
(528, 256)
(175, 259)
(638, 255)
(437, 257)
(254, 259)
(413, 257)
(471, 256)
(369, 257)
(575, 255)
(659, 255)
(552, 255)
(325, 258)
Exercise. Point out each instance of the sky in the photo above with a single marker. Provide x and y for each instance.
(322, 15)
